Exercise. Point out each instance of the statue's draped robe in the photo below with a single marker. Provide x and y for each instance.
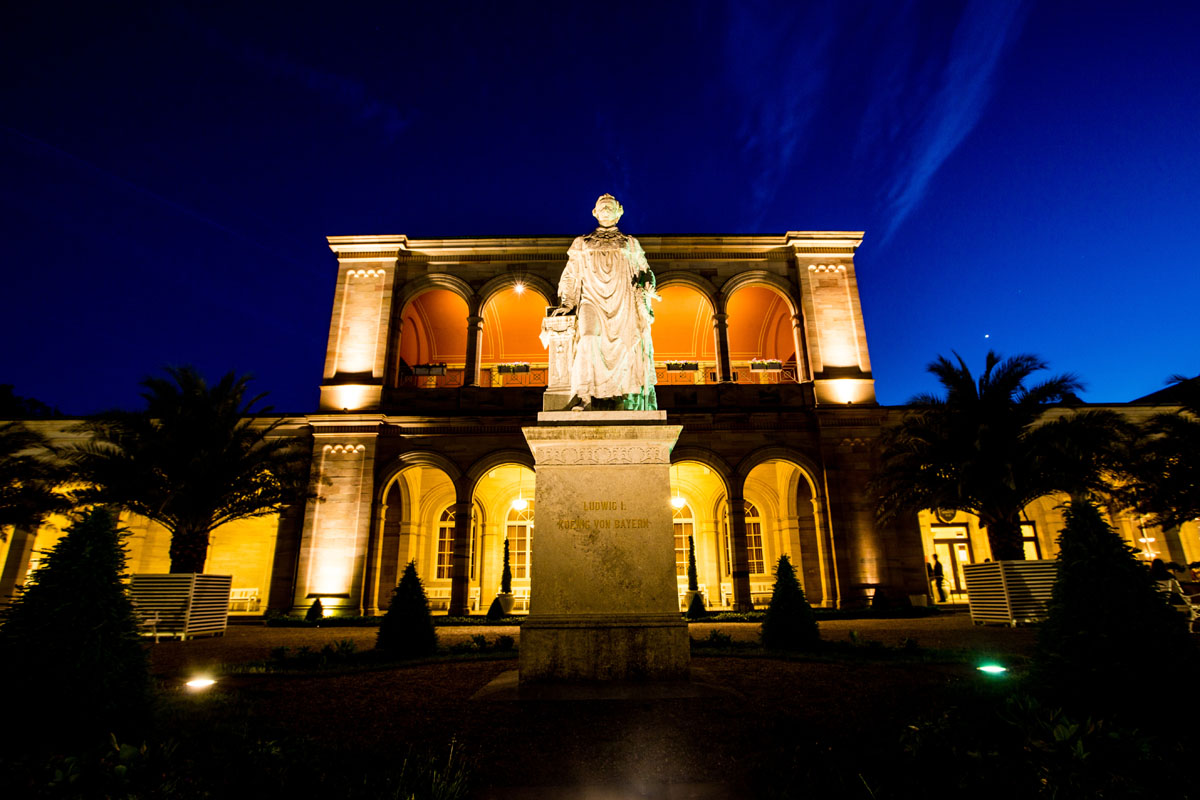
(614, 354)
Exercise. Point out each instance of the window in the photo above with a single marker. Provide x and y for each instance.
(684, 528)
(1029, 541)
(519, 530)
(445, 551)
(754, 545)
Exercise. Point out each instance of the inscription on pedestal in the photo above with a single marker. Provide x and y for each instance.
(604, 598)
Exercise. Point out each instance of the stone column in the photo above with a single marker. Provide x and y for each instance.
(370, 594)
(721, 332)
(802, 371)
(474, 341)
(741, 553)
(20, 550)
(460, 563)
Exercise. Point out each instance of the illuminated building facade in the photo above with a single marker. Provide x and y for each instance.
(434, 364)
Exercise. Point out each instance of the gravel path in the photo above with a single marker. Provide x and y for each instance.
(768, 712)
(246, 643)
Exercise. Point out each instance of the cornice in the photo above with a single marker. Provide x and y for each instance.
(722, 247)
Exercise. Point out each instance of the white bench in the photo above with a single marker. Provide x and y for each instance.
(244, 600)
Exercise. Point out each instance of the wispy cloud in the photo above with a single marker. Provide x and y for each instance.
(781, 75)
(353, 95)
(921, 110)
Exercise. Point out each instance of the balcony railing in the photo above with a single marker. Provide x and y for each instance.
(705, 373)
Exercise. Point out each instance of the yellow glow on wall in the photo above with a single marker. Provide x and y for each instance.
(334, 566)
(845, 390)
(349, 397)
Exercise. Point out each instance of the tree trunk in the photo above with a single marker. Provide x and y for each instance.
(1004, 536)
(189, 550)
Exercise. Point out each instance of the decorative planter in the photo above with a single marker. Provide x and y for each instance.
(766, 366)
(682, 366)
(510, 369)
(181, 604)
(1010, 592)
(687, 598)
(507, 601)
(429, 369)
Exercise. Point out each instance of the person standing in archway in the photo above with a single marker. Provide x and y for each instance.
(938, 576)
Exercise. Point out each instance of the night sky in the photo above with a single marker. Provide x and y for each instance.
(1028, 177)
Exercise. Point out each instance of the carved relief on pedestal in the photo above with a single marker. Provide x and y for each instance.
(572, 454)
(558, 337)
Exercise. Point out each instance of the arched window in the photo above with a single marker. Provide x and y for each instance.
(445, 551)
(684, 528)
(754, 543)
(519, 530)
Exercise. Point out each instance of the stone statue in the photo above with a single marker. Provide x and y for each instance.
(609, 286)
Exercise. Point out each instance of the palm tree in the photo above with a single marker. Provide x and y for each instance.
(193, 459)
(1166, 482)
(29, 479)
(986, 447)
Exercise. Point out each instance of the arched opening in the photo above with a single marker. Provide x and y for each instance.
(762, 348)
(506, 495)
(418, 506)
(433, 341)
(781, 519)
(696, 492)
(683, 336)
(511, 354)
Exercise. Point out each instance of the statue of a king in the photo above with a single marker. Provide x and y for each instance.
(609, 285)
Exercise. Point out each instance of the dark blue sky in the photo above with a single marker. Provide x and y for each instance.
(1028, 177)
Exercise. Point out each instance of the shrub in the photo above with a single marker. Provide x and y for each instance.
(495, 611)
(693, 582)
(696, 609)
(73, 632)
(790, 623)
(315, 612)
(407, 628)
(506, 572)
(1106, 622)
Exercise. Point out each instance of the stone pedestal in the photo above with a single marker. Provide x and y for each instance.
(558, 337)
(603, 601)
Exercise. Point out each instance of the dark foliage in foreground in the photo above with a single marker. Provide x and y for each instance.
(1107, 622)
(407, 628)
(790, 623)
(72, 634)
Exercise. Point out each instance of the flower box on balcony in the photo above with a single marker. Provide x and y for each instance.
(768, 365)
(510, 369)
(682, 366)
(429, 369)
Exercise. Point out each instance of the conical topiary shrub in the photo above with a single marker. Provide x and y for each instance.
(693, 581)
(407, 628)
(506, 572)
(316, 612)
(1107, 622)
(73, 632)
(790, 623)
(696, 609)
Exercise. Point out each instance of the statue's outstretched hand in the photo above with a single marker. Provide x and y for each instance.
(558, 312)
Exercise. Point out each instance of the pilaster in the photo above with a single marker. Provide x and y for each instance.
(337, 524)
